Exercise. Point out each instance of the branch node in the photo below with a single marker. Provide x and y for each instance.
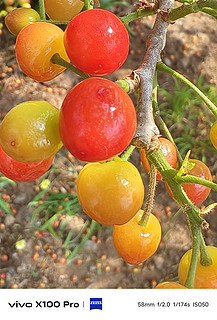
(165, 16)
(205, 225)
(134, 82)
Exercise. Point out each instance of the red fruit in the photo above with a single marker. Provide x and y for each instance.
(96, 42)
(197, 193)
(169, 152)
(20, 171)
(97, 120)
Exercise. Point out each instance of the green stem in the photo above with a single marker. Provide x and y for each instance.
(160, 122)
(93, 226)
(163, 128)
(192, 179)
(42, 10)
(213, 108)
(150, 197)
(56, 59)
(54, 21)
(205, 259)
(124, 85)
(68, 240)
(125, 156)
(194, 258)
(194, 7)
(176, 13)
(88, 4)
(140, 13)
(210, 11)
(53, 218)
(157, 158)
(4, 206)
(51, 230)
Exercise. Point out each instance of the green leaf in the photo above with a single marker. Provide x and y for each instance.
(186, 165)
(4, 206)
(208, 209)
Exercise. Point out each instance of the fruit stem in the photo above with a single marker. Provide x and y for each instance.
(205, 259)
(54, 21)
(139, 13)
(150, 197)
(159, 121)
(125, 156)
(155, 155)
(194, 258)
(56, 59)
(88, 4)
(192, 179)
(42, 10)
(213, 108)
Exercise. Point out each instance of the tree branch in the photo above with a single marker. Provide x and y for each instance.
(146, 128)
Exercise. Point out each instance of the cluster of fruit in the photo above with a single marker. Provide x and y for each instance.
(96, 123)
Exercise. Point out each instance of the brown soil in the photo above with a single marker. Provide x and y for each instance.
(191, 49)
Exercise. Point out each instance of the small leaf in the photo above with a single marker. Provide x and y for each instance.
(208, 209)
(4, 206)
(186, 165)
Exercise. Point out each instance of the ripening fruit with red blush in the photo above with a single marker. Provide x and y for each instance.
(169, 151)
(20, 171)
(63, 10)
(135, 243)
(111, 192)
(97, 120)
(17, 19)
(35, 46)
(96, 42)
(29, 131)
(197, 193)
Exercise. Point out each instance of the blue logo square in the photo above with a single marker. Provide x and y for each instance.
(96, 303)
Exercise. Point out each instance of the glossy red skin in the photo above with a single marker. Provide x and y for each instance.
(97, 120)
(20, 171)
(196, 193)
(96, 42)
(169, 151)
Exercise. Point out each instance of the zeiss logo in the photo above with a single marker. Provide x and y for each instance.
(96, 303)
